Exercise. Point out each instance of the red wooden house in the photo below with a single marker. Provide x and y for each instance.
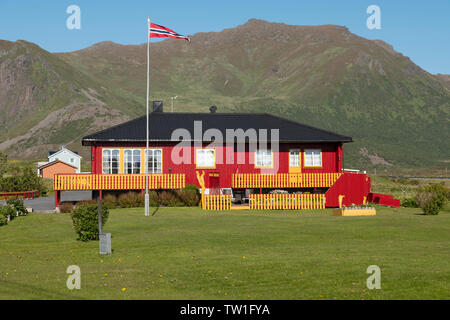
(241, 154)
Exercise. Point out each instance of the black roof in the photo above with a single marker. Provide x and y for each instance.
(163, 124)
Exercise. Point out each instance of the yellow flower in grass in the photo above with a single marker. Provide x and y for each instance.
(124, 289)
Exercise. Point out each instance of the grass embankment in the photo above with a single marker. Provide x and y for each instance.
(186, 253)
(402, 188)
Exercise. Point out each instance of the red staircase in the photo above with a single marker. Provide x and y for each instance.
(355, 187)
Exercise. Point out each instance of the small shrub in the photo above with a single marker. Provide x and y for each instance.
(109, 201)
(441, 192)
(66, 207)
(85, 221)
(8, 211)
(3, 220)
(153, 199)
(189, 196)
(130, 200)
(18, 206)
(79, 203)
(432, 198)
(23, 179)
(169, 199)
(410, 202)
(429, 203)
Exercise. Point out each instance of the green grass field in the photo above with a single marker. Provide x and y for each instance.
(185, 253)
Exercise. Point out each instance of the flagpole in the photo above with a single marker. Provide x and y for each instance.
(147, 210)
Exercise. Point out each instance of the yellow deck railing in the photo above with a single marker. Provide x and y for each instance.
(286, 201)
(117, 181)
(216, 202)
(284, 180)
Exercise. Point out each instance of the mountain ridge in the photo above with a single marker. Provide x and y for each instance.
(324, 76)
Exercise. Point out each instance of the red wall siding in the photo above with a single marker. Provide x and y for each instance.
(330, 161)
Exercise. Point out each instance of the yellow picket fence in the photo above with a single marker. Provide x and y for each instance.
(286, 201)
(284, 180)
(117, 181)
(216, 202)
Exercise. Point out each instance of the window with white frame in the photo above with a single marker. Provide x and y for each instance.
(294, 158)
(205, 158)
(263, 158)
(111, 161)
(313, 158)
(154, 160)
(132, 161)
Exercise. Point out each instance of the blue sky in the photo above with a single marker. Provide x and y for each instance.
(418, 29)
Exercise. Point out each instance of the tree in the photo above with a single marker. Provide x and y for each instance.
(3, 163)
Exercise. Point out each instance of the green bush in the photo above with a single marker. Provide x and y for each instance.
(18, 205)
(170, 199)
(153, 199)
(66, 207)
(410, 202)
(23, 179)
(429, 203)
(109, 201)
(85, 221)
(441, 192)
(3, 220)
(8, 211)
(190, 195)
(130, 200)
(432, 198)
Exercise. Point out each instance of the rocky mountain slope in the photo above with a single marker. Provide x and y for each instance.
(325, 76)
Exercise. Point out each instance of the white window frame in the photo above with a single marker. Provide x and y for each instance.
(312, 158)
(154, 169)
(202, 161)
(110, 167)
(293, 162)
(135, 169)
(263, 158)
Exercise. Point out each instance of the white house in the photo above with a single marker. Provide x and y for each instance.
(64, 155)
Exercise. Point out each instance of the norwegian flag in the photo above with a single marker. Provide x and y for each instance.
(157, 31)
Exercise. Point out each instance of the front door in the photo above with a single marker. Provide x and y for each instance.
(295, 161)
(214, 183)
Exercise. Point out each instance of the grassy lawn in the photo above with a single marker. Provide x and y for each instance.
(185, 253)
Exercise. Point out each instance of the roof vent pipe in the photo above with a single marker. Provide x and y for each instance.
(157, 106)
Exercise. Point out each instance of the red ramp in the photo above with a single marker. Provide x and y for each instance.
(354, 187)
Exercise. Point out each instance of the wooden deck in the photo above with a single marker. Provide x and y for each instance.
(78, 182)
(284, 180)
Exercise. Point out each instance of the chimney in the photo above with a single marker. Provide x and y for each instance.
(157, 106)
(212, 109)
